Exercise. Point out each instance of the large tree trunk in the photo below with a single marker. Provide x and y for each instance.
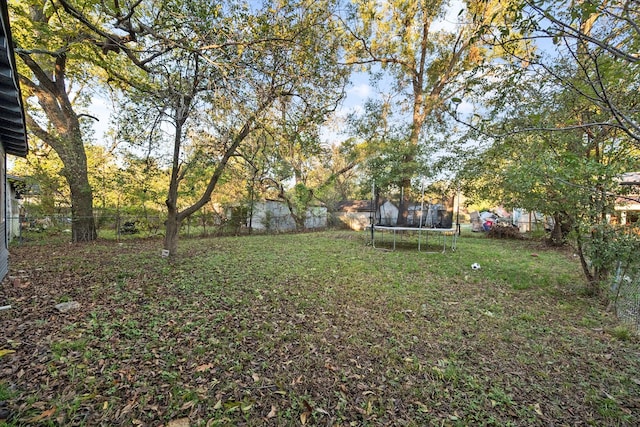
(83, 226)
(72, 153)
(403, 205)
(70, 148)
(562, 225)
(172, 227)
(174, 217)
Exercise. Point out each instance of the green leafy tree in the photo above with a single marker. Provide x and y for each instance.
(294, 165)
(429, 66)
(41, 171)
(603, 40)
(569, 171)
(213, 75)
(55, 74)
(577, 130)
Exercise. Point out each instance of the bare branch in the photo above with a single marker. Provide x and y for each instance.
(89, 116)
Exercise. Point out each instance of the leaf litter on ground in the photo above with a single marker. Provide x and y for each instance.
(318, 329)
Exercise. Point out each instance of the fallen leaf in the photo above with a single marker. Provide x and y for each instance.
(4, 352)
(369, 408)
(205, 367)
(218, 405)
(44, 415)
(188, 405)
(536, 407)
(179, 422)
(272, 413)
(303, 417)
(422, 407)
(322, 411)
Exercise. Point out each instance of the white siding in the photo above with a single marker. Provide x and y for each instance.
(4, 251)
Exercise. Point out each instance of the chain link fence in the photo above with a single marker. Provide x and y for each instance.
(25, 228)
(625, 291)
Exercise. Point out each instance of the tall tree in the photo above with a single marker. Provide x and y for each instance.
(564, 150)
(54, 75)
(213, 75)
(425, 60)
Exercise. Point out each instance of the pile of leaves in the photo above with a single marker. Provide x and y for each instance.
(311, 329)
(500, 231)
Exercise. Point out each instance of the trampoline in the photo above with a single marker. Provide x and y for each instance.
(430, 218)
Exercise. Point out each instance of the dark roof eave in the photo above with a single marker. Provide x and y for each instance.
(13, 133)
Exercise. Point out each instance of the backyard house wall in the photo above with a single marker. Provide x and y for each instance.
(13, 130)
(12, 208)
(354, 214)
(273, 215)
(387, 213)
(627, 209)
(316, 218)
(12, 223)
(4, 247)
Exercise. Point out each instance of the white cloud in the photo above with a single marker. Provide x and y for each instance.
(362, 91)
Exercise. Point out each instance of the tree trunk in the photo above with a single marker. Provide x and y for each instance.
(83, 226)
(70, 148)
(594, 275)
(557, 237)
(403, 206)
(172, 227)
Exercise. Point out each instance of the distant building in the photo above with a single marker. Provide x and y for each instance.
(354, 214)
(357, 215)
(274, 215)
(13, 130)
(628, 207)
(14, 191)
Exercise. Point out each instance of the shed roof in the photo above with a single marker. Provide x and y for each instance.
(630, 178)
(13, 130)
(354, 206)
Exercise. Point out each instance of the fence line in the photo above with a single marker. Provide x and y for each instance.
(119, 225)
(625, 291)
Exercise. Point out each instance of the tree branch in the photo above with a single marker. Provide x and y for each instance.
(576, 33)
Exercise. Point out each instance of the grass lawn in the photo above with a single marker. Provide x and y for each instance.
(315, 329)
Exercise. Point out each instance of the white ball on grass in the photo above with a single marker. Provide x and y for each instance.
(475, 266)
